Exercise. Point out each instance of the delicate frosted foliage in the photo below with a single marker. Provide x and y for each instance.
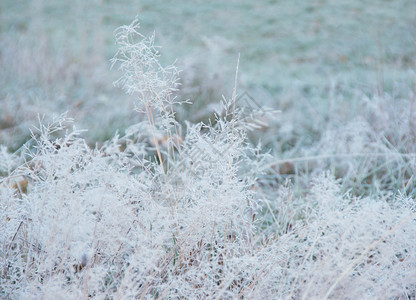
(80, 211)
(354, 248)
(8, 162)
(143, 75)
(155, 214)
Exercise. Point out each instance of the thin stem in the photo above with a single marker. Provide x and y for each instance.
(234, 101)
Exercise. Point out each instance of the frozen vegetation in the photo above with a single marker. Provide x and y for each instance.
(275, 159)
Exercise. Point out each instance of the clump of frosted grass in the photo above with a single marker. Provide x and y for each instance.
(152, 84)
(137, 57)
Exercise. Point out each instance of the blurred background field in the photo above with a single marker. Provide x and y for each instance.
(329, 66)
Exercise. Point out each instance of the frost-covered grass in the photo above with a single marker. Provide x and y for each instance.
(294, 186)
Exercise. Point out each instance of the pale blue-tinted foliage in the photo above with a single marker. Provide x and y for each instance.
(185, 209)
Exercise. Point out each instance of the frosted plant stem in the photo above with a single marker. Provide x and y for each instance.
(292, 289)
(152, 124)
(339, 155)
(234, 100)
